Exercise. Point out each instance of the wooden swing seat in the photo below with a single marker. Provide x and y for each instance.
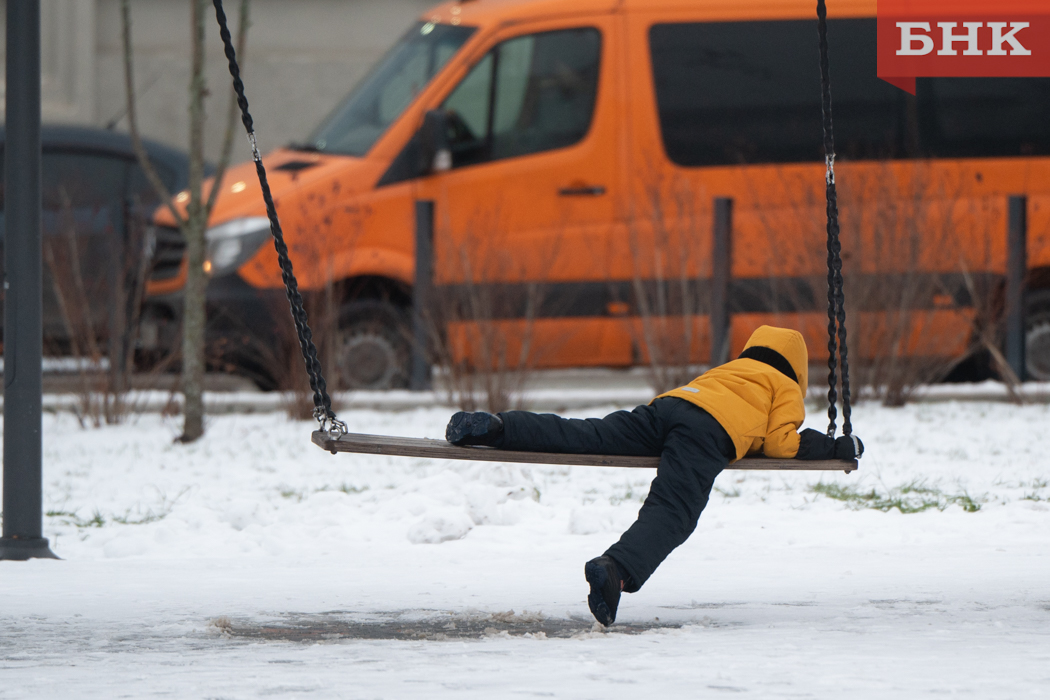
(440, 449)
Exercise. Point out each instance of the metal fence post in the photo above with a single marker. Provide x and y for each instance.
(1016, 270)
(422, 296)
(23, 330)
(721, 277)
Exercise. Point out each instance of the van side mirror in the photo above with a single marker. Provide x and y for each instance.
(436, 156)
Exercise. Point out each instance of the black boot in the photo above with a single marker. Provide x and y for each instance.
(606, 582)
(478, 428)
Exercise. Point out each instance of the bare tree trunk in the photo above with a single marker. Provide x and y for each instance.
(194, 318)
(194, 222)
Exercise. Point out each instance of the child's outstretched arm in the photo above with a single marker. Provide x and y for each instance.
(785, 418)
(783, 441)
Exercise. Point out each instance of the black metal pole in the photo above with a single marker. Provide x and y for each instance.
(23, 334)
(422, 295)
(721, 276)
(1016, 270)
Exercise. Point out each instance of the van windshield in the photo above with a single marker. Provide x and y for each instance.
(387, 90)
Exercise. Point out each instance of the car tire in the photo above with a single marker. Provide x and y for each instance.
(1037, 336)
(373, 346)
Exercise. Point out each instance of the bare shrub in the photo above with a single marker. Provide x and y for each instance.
(271, 356)
(907, 242)
(670, 257)
(987, 332)
(286, 357)
(482, 326)
(101, 317)
(917, 246)
(907, 282)
(275, 354)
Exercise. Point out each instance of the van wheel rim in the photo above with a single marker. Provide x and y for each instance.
(368, 361)
(1037, 350)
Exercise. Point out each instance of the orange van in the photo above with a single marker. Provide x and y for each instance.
(577, 153)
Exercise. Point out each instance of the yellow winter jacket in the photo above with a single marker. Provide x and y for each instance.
(759, 406)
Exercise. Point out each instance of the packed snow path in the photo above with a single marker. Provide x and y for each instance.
(253, 564)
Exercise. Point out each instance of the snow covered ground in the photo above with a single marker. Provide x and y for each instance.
(253, 564)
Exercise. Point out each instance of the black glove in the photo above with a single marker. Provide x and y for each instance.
(813, 444)
(478, 428)
(848, 447)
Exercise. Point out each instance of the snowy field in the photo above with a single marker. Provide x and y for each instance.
(253, 564)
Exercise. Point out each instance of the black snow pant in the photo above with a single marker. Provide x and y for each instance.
(693, 448)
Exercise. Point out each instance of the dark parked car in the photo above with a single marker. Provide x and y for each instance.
(99, 250)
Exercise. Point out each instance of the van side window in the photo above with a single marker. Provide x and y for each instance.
(528, 94)
(380, 98)
(974, 117)
(749, 92)
(468, 109)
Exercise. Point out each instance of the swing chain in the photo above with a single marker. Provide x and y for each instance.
(323, 412)
(836, 297)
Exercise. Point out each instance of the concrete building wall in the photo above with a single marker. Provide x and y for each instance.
(301, 59)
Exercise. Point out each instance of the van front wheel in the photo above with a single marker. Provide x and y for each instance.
(373, 348)
(1037, 336)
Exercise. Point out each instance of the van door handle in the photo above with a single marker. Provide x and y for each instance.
(582, 191)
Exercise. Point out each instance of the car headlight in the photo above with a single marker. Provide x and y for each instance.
(230, 245)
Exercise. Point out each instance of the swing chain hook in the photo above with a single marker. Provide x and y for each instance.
(330, 425)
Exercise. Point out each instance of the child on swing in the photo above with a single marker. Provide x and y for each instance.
(752, 405)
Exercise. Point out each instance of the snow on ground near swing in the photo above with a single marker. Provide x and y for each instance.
(181, 561)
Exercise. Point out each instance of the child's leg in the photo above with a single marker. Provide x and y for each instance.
(638, 432)
(696, 449)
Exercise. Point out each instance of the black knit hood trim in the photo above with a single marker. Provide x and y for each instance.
(772, 358)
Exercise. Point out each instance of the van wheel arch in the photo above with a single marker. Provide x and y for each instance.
(375, 288)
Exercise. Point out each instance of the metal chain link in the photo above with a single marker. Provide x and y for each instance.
(323, 412)
(836, 297)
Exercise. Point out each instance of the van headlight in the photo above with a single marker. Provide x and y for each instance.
(230, 245)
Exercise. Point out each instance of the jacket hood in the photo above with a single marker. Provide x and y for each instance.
(788, 343)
